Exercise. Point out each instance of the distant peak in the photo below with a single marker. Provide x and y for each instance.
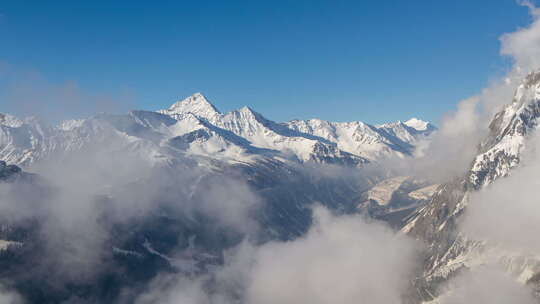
(196, 104)
(248, 113)
(196, 100)
(246, 109)
(418, 124)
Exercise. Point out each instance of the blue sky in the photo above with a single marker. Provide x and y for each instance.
(374, 61)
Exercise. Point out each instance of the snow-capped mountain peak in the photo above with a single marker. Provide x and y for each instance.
(248, 113)
(197, 104)
(195, 126)
(358, 138)
(418, 124)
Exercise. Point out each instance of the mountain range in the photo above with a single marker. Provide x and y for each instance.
(195, 127)
(173, 190)
(289, 166)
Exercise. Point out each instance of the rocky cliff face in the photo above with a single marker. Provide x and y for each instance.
(9, 172)
(436, 223)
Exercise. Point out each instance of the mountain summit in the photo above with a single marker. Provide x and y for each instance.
(300, 136)
(196, 104)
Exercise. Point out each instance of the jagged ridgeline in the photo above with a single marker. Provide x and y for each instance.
(194, 126)
(451, 251)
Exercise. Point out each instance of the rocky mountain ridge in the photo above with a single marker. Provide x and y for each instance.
(437, 223)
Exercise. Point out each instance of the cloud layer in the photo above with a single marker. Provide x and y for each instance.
(487, 285)
(341, 259)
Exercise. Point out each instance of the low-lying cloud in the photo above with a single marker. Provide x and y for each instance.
(28, 92)
(341, 259)
(487, 284)
(78, 198)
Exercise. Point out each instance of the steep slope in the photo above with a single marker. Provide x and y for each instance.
(198, 137)
(408, 134)
(372, 142)
(437, 222)
(196, 104)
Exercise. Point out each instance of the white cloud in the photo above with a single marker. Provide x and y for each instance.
(80, 196)
(29, 93)
(342, 259)
(523, 45)
(487, 285)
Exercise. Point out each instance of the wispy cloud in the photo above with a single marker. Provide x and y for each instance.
(28, 93)
(487, 284)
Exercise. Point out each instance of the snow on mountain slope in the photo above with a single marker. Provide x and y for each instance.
(354, 137)
(405, 134)
(509, 129)
(499, 152)
(419, 125)
(437, 222)
(263, 133)
(33, 140)
(398, 192)
(362, 139)
(382, 192)
(306, 138)
(199, 137)
(22, 141)
(196, 104)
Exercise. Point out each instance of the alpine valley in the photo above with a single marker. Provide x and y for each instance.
(174, 191)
